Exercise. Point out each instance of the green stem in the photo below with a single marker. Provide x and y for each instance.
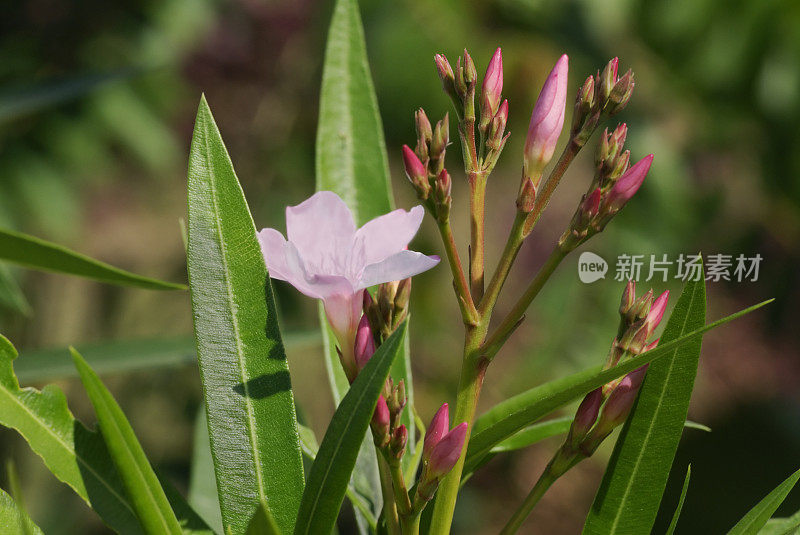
(549, 186)
(469, 389)
(513, 245)
(477, 202)
(461, 285)
(507, 326)
(389, 508)
(542, 484)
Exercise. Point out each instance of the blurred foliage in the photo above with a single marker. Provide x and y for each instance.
(96, 105)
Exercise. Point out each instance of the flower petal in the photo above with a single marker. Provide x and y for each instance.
(273, 247)
(321, 228)
(312, 284)
(399, 266)
(389, 233)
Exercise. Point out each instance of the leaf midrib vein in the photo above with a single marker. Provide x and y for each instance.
(234, 322)
(640, 454)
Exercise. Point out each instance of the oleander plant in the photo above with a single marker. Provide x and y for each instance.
(348, 247)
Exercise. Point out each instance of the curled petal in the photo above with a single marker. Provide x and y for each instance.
(398, 266)
(273, 247)
(389, 234)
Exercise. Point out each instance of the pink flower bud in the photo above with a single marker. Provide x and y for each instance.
(628, 298)
(591, 205)
(398, 441)
(446, 453)
(657, 311)
(621, 400)
(365, 343)
(586, 415)
(438, 427)
(628, 184)
(445, 75)
(493, 83)
(381, 422)
(651, 345)
(547, 119)
(417, 172)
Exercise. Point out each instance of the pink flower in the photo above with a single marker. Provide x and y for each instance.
(327, 257)
(628, 184)
(447, 451)
(438, 427)
(547, 119)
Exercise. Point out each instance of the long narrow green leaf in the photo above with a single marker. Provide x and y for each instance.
(310, 447)
(351, 154)
(128, 355)
(758, 516)
(522, 410)
(11, 296)
(35, 253)
(203, 494)
(330, 473)
(351, 160)
(630, 493)
(13, 520)
(677, 514)
(147, 497)
(75, 455)
(248, 396)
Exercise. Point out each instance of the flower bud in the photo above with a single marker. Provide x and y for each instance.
(584, 105)
(608, 79)
(446, 75)
(441, 137)
(620, 166)
(470, 73)
(547, 120)
(380, 422)
(442, 195)
(621, 400)
(400, 398)
(498, 127)
(416, 172)
(365, 343)
(628, 299)
(651, 345)
(628, 184)
(401, 299)
(656, 312)
(440, 424)
(492, 90)
(590, 207)
(621, 94)
(397, 444)
(585, 416)
(424, 134)
(446, 453)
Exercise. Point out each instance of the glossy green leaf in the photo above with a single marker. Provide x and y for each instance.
(75, 455)
(351, 155)
(249, 401)
(361, 503)
(11, 296)
(522, 410)
(128, 355)
(13, 520)
(147, 497)
(35, 253)
(330, 473)
(677, 514)
(630, 493)
(203, 494)
(263, 523)
(757, 517)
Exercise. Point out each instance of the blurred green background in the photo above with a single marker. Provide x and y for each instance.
(97, 102)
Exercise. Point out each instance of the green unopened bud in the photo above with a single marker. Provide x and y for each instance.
(470, 73)
(621, 93)
(424, 135)
(441, 137)
(527, 196)
(607, 79)
(397, 444)
(628, 299)
(442, 195)
(401, 299)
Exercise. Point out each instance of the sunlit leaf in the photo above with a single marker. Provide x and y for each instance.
(249, 401)
(630, 495)
(14, 520)
(330, 473)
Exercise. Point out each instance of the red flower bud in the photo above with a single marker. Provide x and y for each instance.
(440, 423)
(365, 343)
(628, 184)
(493, 83)
(446, 453)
